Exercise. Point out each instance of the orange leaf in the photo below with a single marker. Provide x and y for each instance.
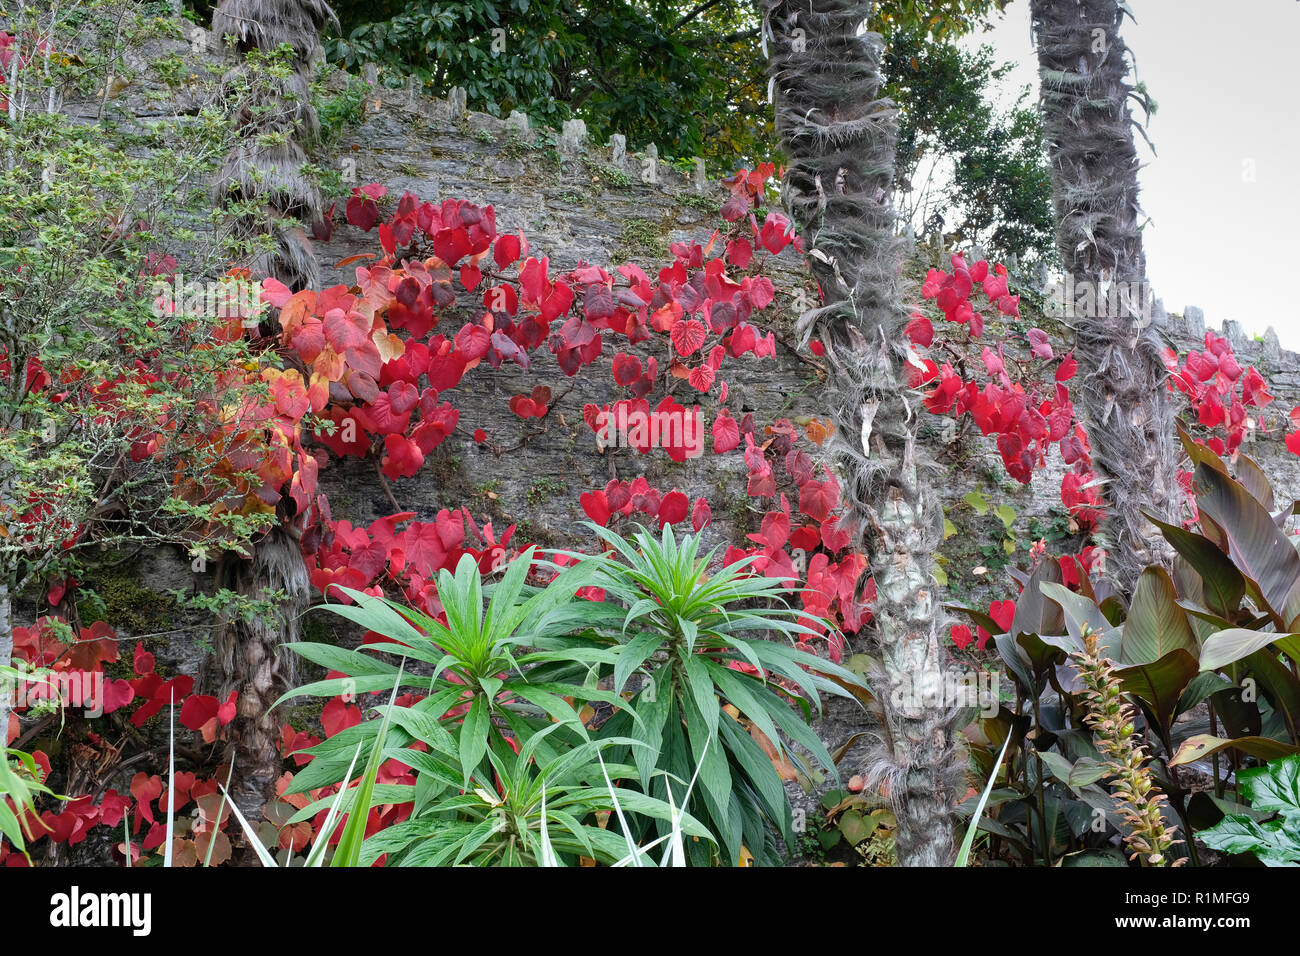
(183, 853)
(818, 431)
(329, 365)
(299, 306)
(220, 850)
(389, 345)
(318, 392)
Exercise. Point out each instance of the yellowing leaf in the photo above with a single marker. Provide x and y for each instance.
(818, 431)
(785, 770)
(389, 345)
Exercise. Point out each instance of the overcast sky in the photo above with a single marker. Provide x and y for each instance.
(1222, 192)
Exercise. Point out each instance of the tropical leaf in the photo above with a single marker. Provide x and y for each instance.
(1156, 624)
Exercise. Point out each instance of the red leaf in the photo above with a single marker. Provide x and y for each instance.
(226, 712)
(402, 457)
(506, 250)
(739, 252)
(834, 536)
(342, 332)
(618, 494)
(673, 508)
(451, 245)
(446, 371)
(688, 336)
(595, 504)
(1065, 371)
(1004, 612)
(726, 434)
(775, 531)
(1040, 347)
(816, 499)
(701, 515)
(523, 406)
(919, 330)
(338, 716)
(627, 368)
(473, 342)
(470, 276)
(197, 710)
(701, 378)
(362, 212)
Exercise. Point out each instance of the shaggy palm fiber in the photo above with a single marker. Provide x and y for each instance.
(265, 24)
(266, 169)
(249, 660)
(1083, 66)
(840, 140)
(267, 166)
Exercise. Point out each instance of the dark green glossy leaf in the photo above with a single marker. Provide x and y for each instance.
(1160, 683)
(1156, 624)
(1222, 582)
(1260, 551)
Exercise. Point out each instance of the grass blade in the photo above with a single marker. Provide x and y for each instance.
(171, 782)
(964, 854)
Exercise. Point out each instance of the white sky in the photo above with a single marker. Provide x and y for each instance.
(1223, 76)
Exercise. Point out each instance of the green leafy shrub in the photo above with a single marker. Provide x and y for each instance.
(698, 640)
(1218, 629)
(505, 755)
(508, 768)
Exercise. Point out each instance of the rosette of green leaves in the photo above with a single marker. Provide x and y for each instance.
(679, 638)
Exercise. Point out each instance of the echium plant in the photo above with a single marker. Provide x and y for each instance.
(711, 663)
(1112, 718)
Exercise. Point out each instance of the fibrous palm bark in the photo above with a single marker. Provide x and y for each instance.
(267, 167)
(1084, 68)
(840, 140)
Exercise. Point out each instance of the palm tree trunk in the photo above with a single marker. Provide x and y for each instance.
(248, 652)
(1083, 68)
(249, 660)
(840, 140)
(264, 167)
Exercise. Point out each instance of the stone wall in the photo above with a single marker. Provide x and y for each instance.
(577, 200)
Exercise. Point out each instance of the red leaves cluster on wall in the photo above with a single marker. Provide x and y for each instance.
(73, 674)
(1027, 413)
(1220, 391)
